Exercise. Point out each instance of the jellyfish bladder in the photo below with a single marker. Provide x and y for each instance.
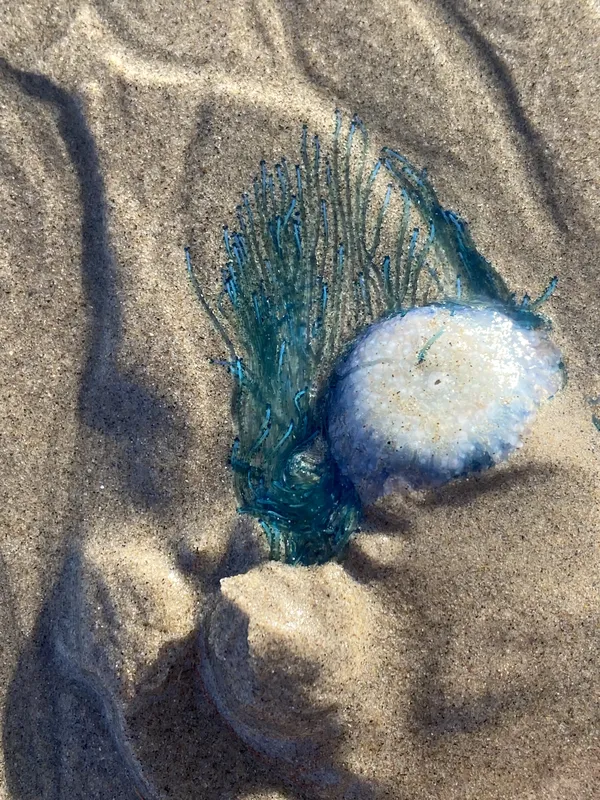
(371, 345)
(437, 393)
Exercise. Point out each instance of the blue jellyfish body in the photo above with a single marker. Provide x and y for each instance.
(439, 392)
(346, 287)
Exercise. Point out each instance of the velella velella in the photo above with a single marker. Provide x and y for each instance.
(371, 345)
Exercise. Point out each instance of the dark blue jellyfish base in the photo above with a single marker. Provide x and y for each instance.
(324, 253)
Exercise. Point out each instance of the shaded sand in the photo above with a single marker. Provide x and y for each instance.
(128, 130)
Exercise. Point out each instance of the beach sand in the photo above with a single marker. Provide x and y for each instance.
(128, 131)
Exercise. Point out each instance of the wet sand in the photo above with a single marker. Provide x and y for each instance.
(128, 131)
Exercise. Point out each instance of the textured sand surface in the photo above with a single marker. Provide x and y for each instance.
(127, 130)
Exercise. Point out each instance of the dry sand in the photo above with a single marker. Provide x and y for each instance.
(128, 130)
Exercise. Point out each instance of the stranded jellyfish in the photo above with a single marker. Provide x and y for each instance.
(372, 347)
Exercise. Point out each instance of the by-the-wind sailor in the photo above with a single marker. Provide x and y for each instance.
(446, 371)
